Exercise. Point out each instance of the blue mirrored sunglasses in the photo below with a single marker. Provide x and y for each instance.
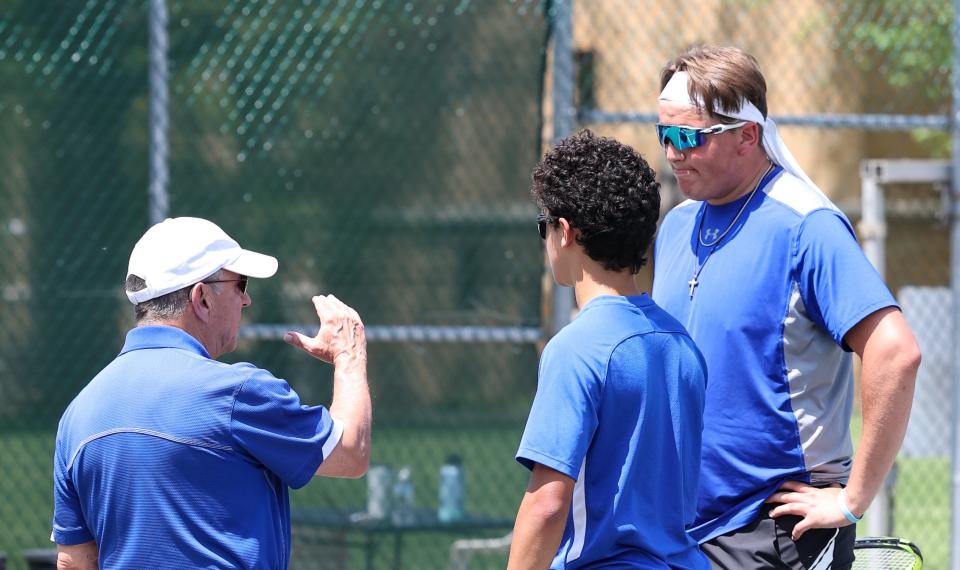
(683, 138)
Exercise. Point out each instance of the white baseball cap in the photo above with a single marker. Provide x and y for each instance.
(179, 252)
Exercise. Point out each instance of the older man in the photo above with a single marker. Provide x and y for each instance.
(171, 459)
(768, 277)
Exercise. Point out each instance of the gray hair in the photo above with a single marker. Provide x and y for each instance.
(165, 307)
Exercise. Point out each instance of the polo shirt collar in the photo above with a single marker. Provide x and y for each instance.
(158, 336)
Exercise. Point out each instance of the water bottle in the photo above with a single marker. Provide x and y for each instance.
(451, 491)
(403, 498)
(379, 489)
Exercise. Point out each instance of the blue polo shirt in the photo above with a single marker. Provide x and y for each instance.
(170, 459)
(774, 300)
(619, 409)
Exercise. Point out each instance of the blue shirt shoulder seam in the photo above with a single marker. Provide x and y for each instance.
(236, 392)
(856, 320)
(797, 232)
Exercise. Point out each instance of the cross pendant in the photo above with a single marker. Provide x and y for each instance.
(693, 285)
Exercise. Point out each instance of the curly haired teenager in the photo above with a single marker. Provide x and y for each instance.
(613, 437)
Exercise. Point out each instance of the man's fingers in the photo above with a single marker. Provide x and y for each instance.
(329, 307)
(320, 304)
(788, 497)
(792, 509)
(794, 486)
(816, 507)
(800, 528)
(313, 346)
(778, 498)
(328, 300)
(295, 339)
(341, 330)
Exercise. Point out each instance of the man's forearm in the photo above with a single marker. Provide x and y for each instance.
(352, 408)
(78, 556)
(342, 342)
(885, 416)
(888, 377)
(541, 520)
(536, 538)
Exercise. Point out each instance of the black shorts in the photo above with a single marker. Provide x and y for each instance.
(766, 543)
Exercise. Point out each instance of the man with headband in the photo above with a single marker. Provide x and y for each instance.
(767, 275)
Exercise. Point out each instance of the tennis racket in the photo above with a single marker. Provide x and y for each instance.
(886, 553)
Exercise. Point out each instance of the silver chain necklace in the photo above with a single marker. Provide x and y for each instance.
(699, 267)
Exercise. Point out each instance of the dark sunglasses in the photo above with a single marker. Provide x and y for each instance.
(542, 221)
(241, 282)
(683, 138)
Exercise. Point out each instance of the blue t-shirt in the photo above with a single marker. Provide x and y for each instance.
(169, 459)
(773, 302)
(619, 409)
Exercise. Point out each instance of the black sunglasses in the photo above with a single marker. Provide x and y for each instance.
(542, 221)
(241, 282)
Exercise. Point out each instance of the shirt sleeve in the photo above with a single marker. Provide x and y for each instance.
(69, 526)
(563, 417)
(838, 284)
(289, 438)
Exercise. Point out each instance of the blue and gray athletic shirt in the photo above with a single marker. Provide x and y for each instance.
(774, 301)
(618, 409)
(169, 459)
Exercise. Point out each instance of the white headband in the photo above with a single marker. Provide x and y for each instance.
(677, 91)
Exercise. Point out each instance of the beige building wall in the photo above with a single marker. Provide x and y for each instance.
(807, 73)
(796, 44)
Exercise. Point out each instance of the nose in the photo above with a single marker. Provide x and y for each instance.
(247, 299)
(671, 152)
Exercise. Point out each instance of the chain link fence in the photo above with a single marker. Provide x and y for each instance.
(918, 253)
(382, 151)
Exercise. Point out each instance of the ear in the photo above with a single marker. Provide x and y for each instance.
(567, 233)
(750, 137)
(200, 302)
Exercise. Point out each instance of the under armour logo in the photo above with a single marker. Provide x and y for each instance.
(711, 234)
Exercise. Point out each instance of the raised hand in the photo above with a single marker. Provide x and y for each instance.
(341, 333)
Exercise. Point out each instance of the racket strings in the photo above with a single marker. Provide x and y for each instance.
(884, 558)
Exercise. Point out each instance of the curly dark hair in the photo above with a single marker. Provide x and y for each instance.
(607, 191)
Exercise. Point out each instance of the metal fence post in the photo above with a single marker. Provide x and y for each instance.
(875, 174)
(955, 286)
(564, 115)
(159, 200)
(873, 226)
(873, 232)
